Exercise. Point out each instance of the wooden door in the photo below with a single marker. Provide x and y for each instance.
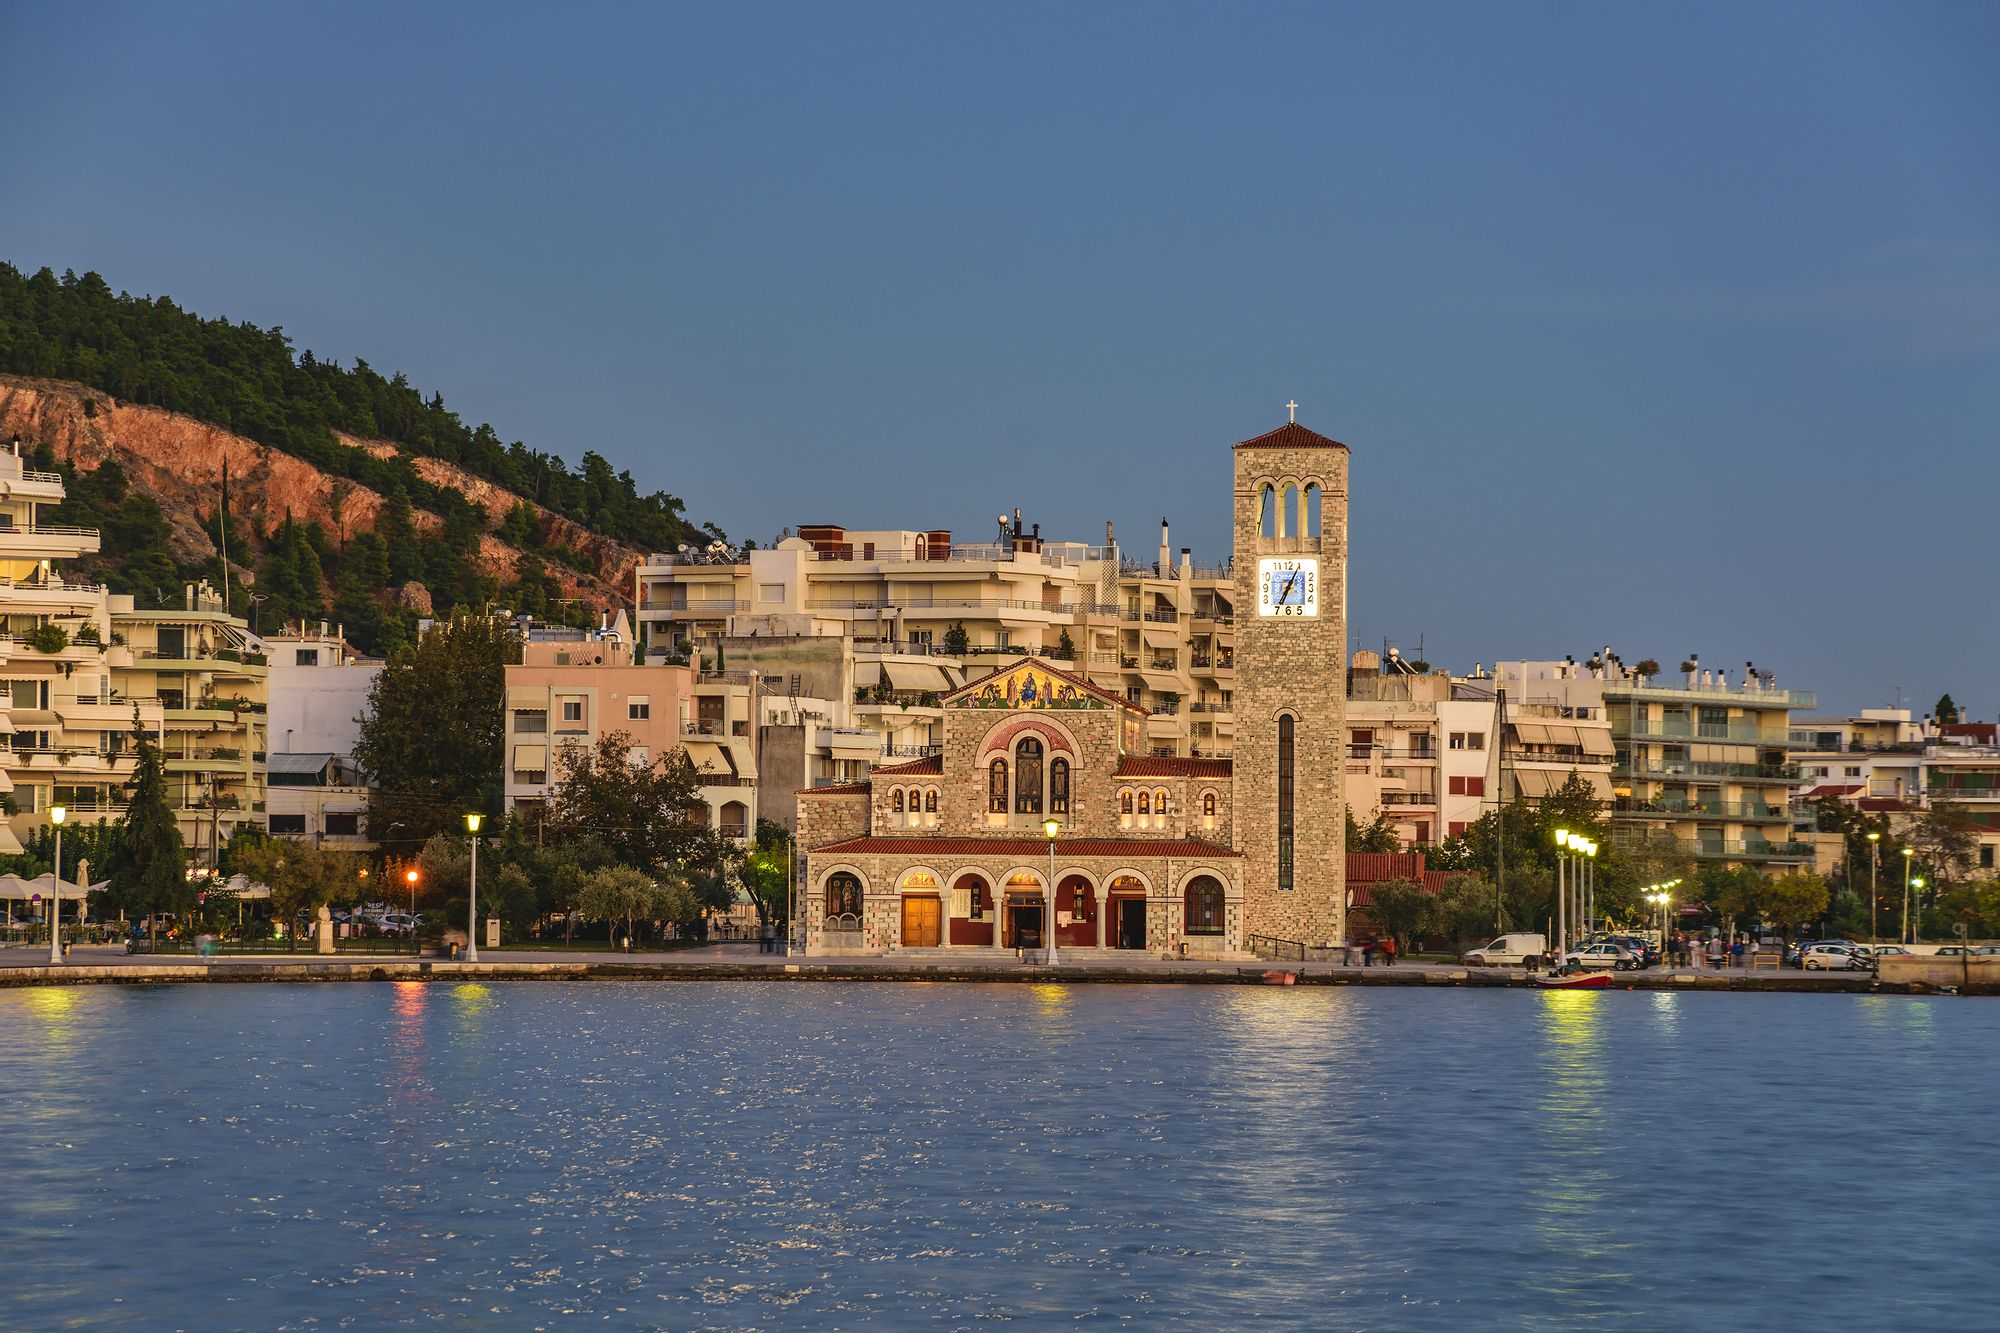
(922, 921)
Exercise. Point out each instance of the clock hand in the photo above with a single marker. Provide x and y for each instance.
(1291, 582)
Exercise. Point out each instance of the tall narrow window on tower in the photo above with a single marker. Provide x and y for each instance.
(1285, 801)
(1028, 777)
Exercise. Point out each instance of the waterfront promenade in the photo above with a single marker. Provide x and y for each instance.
(111, 965)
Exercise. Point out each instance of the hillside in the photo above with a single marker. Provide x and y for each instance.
(371, 527)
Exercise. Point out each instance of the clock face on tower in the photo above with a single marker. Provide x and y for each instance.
(1288, 586)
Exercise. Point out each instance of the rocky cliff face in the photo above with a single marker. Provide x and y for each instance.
(178, 461)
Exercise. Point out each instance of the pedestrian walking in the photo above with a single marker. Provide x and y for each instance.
(1736, 953)
(1389, 951)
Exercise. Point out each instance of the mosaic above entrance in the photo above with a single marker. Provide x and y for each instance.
(1028, 686)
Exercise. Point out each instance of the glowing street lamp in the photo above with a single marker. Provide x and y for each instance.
(1917, 919)
(1908, 852)
(1874, 864)
(57, 814)
(472, 896)
(1051, 827)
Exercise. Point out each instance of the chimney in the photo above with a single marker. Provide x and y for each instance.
(1166, 551)
(1110, 539)
(1017, 520)
(1187, 563)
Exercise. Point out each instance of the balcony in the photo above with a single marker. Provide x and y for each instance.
(46, 541)
(1712, 694)
(1712, 849)
(1729, 733)
(1729, 810)
(1680, 770)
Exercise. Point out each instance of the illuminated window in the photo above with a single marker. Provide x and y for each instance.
(1028, 777)
(996, 787)
(1058, 786)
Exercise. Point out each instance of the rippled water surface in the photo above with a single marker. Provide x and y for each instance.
(777, 1155)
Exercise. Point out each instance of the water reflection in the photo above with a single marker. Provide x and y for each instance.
(759, 1155)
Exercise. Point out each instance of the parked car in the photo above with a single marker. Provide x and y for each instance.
(1884, 950)
(1795, 955)
(1833, 958)
(1604, 957)
(1508, 951)
(1986, 951)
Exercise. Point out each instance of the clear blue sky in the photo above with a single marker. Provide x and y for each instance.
(1677, 329)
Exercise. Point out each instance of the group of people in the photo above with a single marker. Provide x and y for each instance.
(1709, 951)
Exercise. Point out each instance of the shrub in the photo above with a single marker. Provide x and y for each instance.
(49, 639)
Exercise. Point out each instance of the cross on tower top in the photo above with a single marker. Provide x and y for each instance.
(1292, 413)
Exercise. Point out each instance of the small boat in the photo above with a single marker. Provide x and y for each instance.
(1576, 981)
(1281, 978)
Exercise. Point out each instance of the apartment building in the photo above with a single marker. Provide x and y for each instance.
(1433, 752)
(1703, 767)
(65, 717)
(318, 690)
(917, 612)
(1962, 771)
(574, 687)
(211, 676)
(1877, 755)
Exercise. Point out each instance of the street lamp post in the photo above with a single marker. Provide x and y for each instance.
(1051, 827)
(1590, 880)
(410, 878)
(1874, 864)
(1562, 861)
(1908, 852)
(1917, 916)
(57, 814)
(472, 894)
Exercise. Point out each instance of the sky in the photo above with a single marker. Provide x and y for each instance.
(1675, 328)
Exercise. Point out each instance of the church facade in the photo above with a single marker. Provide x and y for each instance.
(1043, 814)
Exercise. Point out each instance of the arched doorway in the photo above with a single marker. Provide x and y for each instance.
(923, 911)
(1076, 912)
(1125, 901)
(1025, 907)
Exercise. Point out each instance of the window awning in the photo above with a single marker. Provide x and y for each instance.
(915, 676)
(1530, 733)
(1161, 636)
(867, 675)
(1563, 735)
(9, 844)
(6, 724)
(1600, 784)
(1596, 741)
(1537, 781)
(953, 675)
(708, 757)
(530, 758)
(34, 717)
(1161, 682)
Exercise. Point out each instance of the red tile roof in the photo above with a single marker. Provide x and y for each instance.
(1132, 848)
(1832, 789)
(930, 763)
(840, 789)
(1367, 869)
(1880, 803)
(1170, 766)
(1293, 436)
(1363, 895)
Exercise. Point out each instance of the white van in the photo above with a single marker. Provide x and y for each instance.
(1508, 951)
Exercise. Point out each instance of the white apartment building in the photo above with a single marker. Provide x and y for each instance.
(319, 690)
(65, 717)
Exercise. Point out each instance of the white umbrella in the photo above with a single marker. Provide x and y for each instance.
(24, 890)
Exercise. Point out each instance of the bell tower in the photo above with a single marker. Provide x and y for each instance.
(1290, 701)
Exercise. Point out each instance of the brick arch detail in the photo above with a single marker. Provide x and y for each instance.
(1001, 740)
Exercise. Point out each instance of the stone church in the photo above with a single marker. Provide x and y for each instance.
(1042, 815)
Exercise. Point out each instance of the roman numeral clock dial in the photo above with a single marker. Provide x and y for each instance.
(1288, 586)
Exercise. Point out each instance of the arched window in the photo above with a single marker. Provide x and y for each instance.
(1309, 521)
(1058, 786)
(1028, 777)
(1208, 805)
(1160, 804)
(1204, 906)
(896, 801)
(1288, 512)
(1145, 803)
(1267, 511)
(1125, 801)
(843, 895)
(930, 800)
(974, 889)
(996, 787)
(1285, 748)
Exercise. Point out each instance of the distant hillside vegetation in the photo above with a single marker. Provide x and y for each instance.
(349, 495)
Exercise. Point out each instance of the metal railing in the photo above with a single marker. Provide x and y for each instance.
(1727, 733)
(1708, 769)
(1272, 949)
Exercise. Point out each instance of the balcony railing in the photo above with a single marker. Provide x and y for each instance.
(937, 604)
(1755, 697)
(1682, 769)
(1723, 732)
(1714, 849)
(1730, 810)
